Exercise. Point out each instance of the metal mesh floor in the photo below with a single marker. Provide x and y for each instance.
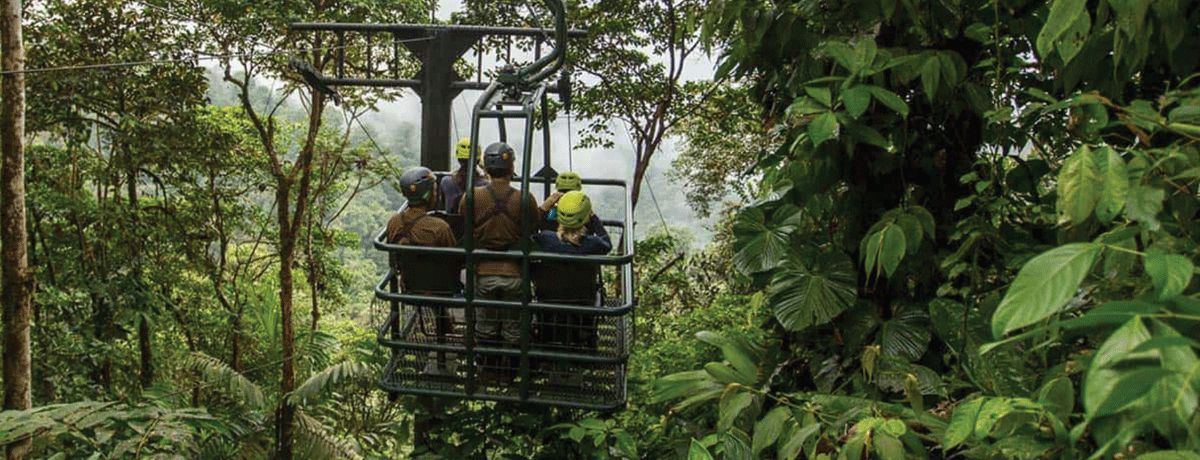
(574, 333)
(599, 386)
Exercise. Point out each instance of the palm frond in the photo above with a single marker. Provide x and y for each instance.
(317, 441)
(219, 375)
(328, 378)
(317, 348)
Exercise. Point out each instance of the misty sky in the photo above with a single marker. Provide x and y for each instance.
(404, 114)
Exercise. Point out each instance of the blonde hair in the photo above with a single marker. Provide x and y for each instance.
(570, 235)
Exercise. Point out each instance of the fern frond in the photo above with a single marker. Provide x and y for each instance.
(326, 379)
(317, 441)
(215, 372)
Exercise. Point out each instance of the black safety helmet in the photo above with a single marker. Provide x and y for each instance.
(499, 157)
(418, 185)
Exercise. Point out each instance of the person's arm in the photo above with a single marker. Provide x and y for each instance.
(551, 201)
(596, 245)
(596, 227)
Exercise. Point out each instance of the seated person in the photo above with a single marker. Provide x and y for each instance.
(452, 186)
(414, 226)
(574, 235)
(570, 329)
(497, 227)
(567, 182)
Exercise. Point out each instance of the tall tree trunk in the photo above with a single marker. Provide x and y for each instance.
(145, 350)
(16, 281)
(289, 223)
(287, 247)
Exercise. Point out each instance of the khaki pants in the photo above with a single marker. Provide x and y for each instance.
(498, 324)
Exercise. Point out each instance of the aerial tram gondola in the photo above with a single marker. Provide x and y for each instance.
(576, 312)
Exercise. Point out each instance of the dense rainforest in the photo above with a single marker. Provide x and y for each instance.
(943, 229)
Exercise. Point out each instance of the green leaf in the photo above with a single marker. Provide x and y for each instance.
(736, 352)
(1170, 455)
(856, 99)
(697, 451)
(731, 407)
(931, 72)
(1170, 273)
(992, 411)
(1043, 286)
(1058, 395)
(1100, 380)
(913, 229)
(891, 248)
(1144, 204)
(1130, 387)
(822, 128)
(962, 423)
(1072, 40)
(767, 430)
(906, 335)
(1063, 14)
(888, 447)
(842, 54)
(761, 244)
(927, 222)
(889, 99)
(1079, 186)
(791, 448)
(821, 94)
(1115, 189)
(806, 297)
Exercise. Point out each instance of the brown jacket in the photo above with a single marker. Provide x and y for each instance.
(414, 228)
(498, 225)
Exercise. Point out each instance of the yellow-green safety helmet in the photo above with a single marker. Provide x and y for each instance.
(574, 209)
(462, 149)
(568, 181)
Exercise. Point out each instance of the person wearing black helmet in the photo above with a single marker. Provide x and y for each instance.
(414, 226)
(497, 227)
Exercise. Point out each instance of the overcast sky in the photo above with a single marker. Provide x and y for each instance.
(608, 163)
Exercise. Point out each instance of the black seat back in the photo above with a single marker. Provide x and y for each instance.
(431, 274)
(566, 282)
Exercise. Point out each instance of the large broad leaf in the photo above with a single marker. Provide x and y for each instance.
(1063, 14)
(1101, 377)
(856, 99)
(822, 128)
(731, 406)
(889, 99)
(808, 296)
(1129, 388)
(697, 451)
(762, 243)
(1115, 177)
(906, 335)
(1043, 286)
(790, 448)
(1079, 186)
(767, 430)
(1171, 273)
(1144, 204)
(962, 423)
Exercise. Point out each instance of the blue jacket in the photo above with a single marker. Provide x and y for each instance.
(597, 243)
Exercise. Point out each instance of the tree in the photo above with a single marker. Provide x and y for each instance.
(239, 33)
(16, 280)
(630, 68)
(981, 215)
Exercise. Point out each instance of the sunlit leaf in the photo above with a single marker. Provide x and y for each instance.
(1043, 286)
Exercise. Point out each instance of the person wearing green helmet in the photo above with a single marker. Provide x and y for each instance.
(573, 235)
(567, 182)
(452, 186)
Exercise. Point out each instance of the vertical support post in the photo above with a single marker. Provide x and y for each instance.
(437, 73)
(438, 56)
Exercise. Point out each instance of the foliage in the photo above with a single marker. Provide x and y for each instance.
(1009, 191)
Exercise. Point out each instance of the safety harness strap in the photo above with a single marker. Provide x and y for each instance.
(405, 228)
(499, 206)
